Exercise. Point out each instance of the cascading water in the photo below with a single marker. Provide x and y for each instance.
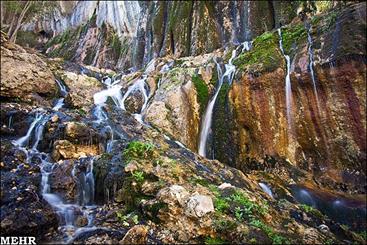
(25, 139)
(138, 85)
(288, 88)
(311, 64)
(66, 211)
(266, 189)
(63, 91)
(208, 116)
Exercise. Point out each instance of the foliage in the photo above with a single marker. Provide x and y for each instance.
(363, 234)
(221, 224)
(202, 92)
(215, 240)
(221, 204)
(126, 220)
(138, 150)
(27, 38)
(264, 55)
(311, 210)
(275, 238)
(292, 36)
(138, 176)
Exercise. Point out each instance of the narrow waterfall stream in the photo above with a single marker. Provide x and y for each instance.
(288, 86)
(63, 91)
(266, 189)
(311, 65)
(230, 70)
(140, 86)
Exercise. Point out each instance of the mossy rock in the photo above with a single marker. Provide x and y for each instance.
(202, 92)
(293, 37)
(264, 56)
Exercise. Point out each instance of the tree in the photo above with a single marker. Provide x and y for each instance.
(22, 11)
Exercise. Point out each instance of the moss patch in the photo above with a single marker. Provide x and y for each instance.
(264, 55)
(201, 92)
(293, 36)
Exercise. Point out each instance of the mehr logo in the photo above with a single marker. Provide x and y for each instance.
(14, 240)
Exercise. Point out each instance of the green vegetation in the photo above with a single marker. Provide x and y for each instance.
(138, 150)
(239, 205)
(202, 92)
(363, 234)
(138, 176)
(275, 238)
(311, 210)
(27, 38)
(292, 37)
(128, 219)
(215, 240)
(264, 55)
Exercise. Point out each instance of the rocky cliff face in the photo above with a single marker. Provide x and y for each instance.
(134, 32)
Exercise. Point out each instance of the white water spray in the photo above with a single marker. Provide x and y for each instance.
(288, 88)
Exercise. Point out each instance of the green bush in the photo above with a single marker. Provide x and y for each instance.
(138, 150)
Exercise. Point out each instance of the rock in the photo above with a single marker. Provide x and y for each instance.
(225, 185)
(54, 118)
(81, 221)
(134, 102)
(323, 228)
(173, 194)
(64, 149)
(76, 130)
(62, 179)
(24, 74)
(311, 236)
(81, 89)
(136, 235)
(199, 205)
(131, 167)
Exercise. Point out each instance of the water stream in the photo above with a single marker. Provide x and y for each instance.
(311, 65)
(208, 115)
(266, 189)
(288, 87)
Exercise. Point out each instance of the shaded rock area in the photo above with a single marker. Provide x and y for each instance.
(23, 211)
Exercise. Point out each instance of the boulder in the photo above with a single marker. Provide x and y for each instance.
(81, 89)
(24, 75)
(136, 235)
(199, 205)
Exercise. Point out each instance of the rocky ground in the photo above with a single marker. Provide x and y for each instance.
(151, 188)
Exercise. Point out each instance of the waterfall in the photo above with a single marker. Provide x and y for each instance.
(62, 88)
(288, 88)
(113, 92)
(266, 189)
(208, 116)
(39, 132)
(311, 64)
(138, 85)
(25, 139)
(59, 104)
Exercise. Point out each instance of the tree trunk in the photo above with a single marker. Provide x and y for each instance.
(19, 22)
(11, 26)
